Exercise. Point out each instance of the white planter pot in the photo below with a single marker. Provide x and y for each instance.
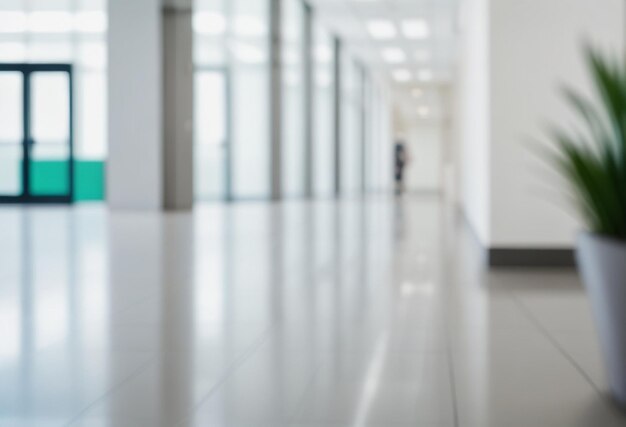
(602, 262)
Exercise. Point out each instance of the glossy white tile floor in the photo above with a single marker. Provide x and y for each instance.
(357, 313)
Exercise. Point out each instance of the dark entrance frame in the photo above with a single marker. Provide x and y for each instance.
(27, 142)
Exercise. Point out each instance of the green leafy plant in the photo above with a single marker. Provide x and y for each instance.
(593, 159)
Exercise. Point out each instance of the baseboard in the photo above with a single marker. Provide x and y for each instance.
(503, 257)
(533, 257)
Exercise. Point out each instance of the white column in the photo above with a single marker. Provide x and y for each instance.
(134, 167)
(150, 162)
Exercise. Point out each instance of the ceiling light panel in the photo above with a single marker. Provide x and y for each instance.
(401, 75)
(393, 55)
(381, 29)
(422, 55)
(415, 29)
(425, 75)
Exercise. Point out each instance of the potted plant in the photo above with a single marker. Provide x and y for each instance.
(593, 161)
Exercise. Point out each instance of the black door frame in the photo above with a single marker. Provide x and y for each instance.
(27, 141)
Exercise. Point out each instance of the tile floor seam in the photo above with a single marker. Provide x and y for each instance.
(452, 374)
(227, 373)
(293, 419)
(110, 391)
(528, 313)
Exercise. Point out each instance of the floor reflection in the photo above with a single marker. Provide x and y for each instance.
(353, 312)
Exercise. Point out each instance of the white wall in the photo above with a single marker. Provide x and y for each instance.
(134, 166)
(514, 56)
(536, 47)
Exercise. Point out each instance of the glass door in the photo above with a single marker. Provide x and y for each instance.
(36, 139)
(11, 134)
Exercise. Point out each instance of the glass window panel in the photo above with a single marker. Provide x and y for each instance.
(323, 128)
(50, 132)
(251, 174)
(92, 4)
(46, 21)
(11, 107)
(11, 159)
(293, 138)
(210, 25)
(210, 134)
(11, 133)
(13, 21)
(50, 107)
(12, 52)
(51, 5)
(91, 127)
(351, 141)
(209, 52)
(50, 52)
(92, 21)
(92, 54)
(250, 103)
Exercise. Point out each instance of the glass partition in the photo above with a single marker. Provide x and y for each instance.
(323, 112)
(293, 98)
(11, 133)
(231, 37)
(351, 141)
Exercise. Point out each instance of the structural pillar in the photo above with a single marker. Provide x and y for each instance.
(150, 94)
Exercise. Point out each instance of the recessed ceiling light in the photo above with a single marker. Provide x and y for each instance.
(401, 75)
(417, 92)
(422, 55)
(381, 29)
(423, 111)
(425, 75)
(415, 29)
(393, 55)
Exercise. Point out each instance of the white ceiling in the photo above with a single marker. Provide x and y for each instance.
(348, 19)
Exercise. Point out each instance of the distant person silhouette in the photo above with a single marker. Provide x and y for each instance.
(400, 159)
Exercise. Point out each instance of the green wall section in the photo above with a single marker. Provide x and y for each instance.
(88, 180)
(50, 177)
